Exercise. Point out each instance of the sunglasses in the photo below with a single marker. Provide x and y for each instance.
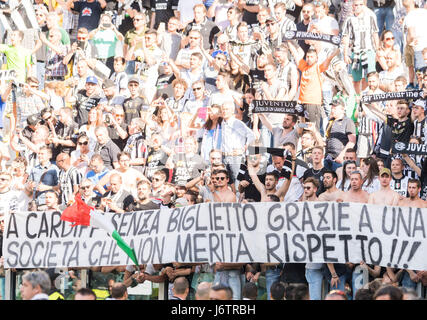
(386, 39)
(197, 89)
(85, 187)
(270, 24)
(307, 188)
(85, 143)
(219, 178)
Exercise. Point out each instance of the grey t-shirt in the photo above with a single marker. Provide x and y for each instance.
(279, 139)
(338, 136)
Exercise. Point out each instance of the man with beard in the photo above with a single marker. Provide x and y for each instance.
(332, 193)
(285, 133)
(222, 192)
(143, 200)
(310, 188)
(385, 196)
(414, 201)
(271, 181)
(355, 194)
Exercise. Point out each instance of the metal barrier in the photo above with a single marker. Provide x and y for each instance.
(11, 284)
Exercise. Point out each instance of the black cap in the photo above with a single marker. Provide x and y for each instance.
(33, 119)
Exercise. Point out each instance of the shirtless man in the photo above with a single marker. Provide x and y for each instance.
(310, 188)
(222, 192)
(414, 201)
(385, 196)
(329, 182)
(271, 181)
(356, 194)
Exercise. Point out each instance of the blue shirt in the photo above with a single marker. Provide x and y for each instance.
(47, 175)
(2, 107)
(96, 177)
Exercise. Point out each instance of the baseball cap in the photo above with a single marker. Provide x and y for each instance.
(91, 79)
(108, 83)
(133, 79)
(33, 119)
(420, 103)
(385, 171)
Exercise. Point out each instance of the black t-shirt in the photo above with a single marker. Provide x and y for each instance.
(251, 192)
(163, 9)
(89, 14)
(156, 160)
(293, 273)
(251, 17)
(83, 105)
(133, 108)
(292, 10)
(317, 174)
(304, 46)
(401, 130)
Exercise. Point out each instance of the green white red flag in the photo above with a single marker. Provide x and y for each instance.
(81, 214)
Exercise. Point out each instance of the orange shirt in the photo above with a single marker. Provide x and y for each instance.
(311, 83)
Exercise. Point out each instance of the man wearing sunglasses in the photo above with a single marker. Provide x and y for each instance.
(81, 49)
(200, 100)
(87, 193)
(222, 192)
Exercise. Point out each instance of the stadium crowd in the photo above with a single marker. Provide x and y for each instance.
(142, 104)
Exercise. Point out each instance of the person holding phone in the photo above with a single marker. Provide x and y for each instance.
(107, 40)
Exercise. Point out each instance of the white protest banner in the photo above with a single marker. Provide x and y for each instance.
(228, 232)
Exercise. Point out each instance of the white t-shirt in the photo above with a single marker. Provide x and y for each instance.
(417, 18)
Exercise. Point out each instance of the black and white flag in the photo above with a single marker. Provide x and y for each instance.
(304, 35)
(287, 166)
(409, 148)
(401, 95)
(20, 15)
(273, 106)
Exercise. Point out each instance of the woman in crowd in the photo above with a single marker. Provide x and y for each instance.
(370, 172)
(387, 47)
(348, 168)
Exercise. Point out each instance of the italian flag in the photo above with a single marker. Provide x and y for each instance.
(81, 214)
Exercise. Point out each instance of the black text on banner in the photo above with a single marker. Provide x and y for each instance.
(302, 232)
